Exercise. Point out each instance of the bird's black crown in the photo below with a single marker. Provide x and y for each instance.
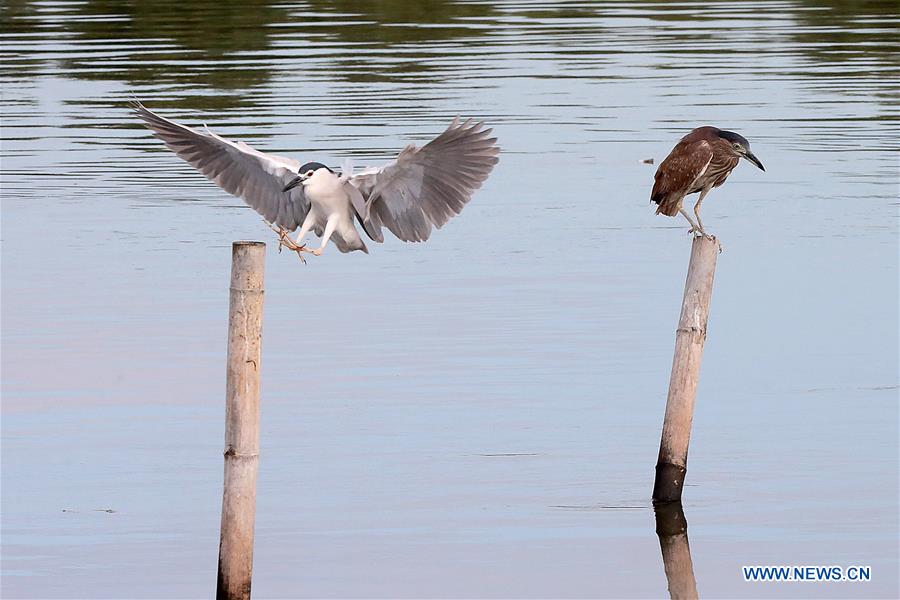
(734, 137)
(313, 166)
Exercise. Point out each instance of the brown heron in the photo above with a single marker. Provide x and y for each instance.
(702, 160)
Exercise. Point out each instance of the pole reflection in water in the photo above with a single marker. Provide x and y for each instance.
(671, 527)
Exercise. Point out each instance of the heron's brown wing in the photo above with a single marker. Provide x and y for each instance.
(426, 186)
(253, 176)
(676, 175)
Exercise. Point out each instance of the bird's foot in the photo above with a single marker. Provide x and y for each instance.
(713, 238)
(709, 236)
(700, 233)
(317, 251)
(285, 241)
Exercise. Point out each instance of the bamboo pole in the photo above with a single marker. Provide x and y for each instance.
(671, 527)
(671, 466)
(241, 421)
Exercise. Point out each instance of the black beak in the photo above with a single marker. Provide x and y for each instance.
(752, 158)
(297, 181)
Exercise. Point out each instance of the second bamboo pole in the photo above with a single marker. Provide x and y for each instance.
(671, 465)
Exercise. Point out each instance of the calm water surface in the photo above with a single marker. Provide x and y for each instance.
(478, 416)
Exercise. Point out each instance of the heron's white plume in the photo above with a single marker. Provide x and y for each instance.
(346, 169)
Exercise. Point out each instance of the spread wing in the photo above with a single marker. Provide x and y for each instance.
(426, 186)
(235, 167)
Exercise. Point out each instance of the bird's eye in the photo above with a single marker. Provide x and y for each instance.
(737, 146)
(309, 173)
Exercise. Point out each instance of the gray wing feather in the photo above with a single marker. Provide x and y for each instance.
(253, 176)
(425, 187)
(362, 212)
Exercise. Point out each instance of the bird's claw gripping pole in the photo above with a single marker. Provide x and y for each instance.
(712, 238)
(700, 233)
(284, 240)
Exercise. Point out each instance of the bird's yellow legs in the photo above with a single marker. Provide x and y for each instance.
(330, 226)
(696, 228)
(284, 240)
(305, 227)
(284, 236)
(697, 212)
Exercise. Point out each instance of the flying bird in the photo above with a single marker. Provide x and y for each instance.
(419, 190)
(702, 160)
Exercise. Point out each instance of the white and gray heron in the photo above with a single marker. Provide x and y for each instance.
(421, 189)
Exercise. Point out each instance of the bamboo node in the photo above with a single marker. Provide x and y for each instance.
(699, 330)
(232, 451)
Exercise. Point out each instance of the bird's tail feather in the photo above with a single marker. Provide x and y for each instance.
(668, 204)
